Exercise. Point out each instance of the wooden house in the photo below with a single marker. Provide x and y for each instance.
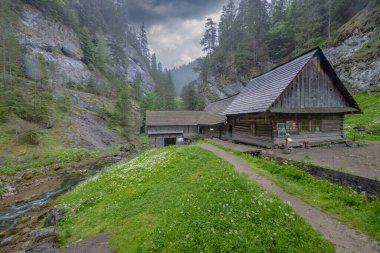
(221, 130)
(303, 97)
(175, 127)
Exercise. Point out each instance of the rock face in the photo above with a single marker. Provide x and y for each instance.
(357, 74)
(216, 91)
(60, 47)
(57, 44)
(50, 45)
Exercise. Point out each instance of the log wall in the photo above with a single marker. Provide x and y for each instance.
(331, 130)
(253, 129)
(312, 88)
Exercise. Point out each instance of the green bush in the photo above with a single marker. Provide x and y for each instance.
(32, 136)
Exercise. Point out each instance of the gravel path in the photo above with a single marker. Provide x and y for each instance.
(345, 238)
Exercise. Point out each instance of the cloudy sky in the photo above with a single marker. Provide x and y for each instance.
(175, 27)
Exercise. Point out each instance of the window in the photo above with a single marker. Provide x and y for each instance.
(315, 125)
(281, 130)
(291, 125)
(310, 125)
(304, 125)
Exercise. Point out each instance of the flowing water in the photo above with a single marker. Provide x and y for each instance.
(10, 215)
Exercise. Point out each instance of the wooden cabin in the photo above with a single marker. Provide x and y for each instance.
(222, 130)
(175, 127)
(303, 97)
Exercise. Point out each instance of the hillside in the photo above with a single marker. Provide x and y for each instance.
(183, 199)
(185, 74)
(68, 78)
(347, 31)
(370, 105)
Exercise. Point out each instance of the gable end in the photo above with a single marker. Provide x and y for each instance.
(315, 86)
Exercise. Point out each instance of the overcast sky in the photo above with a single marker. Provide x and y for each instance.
(175, 27)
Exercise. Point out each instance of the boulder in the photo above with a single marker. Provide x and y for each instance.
(70, 50)
(54, 217)
(42, 247)
(44, 233)
(7, 241)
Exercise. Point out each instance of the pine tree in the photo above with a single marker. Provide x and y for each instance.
(123, 108)
(88, 47)
(137, 92)
(189, 96)
(169, 91)
(209, 40)
(153, 65)
(143, 40)
(102, 56)
(278, 10)
(226, 33)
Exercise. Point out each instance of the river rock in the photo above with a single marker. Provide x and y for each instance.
(54, 217)
(44, 233)
(7, 240)
(43, 247)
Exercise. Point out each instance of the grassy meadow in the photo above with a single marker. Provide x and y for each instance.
(183, 199)
(370, 105)
(344, 203)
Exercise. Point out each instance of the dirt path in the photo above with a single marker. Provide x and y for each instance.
(345, 238)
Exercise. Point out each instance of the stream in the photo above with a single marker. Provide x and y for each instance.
(10, 215)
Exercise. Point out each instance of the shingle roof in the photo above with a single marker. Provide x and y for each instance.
(208, 118)
(314, 110)
(182, 118)
(262, 91)
(173, 118)
(212, 115)
(220, 106)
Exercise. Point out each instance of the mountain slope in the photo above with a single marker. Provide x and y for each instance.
(353, 47)
(185, 74)
(355, 51)
(50, 70)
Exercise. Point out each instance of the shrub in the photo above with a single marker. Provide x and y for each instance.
(32, 136)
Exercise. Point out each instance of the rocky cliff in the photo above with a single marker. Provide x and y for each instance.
(355, 52)
(87, 123)
(60, 47)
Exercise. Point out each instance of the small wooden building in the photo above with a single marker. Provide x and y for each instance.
(303, 97)
(222, 130)
(175, 127)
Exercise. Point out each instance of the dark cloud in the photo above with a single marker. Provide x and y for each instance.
(174, 27)
(162, 11)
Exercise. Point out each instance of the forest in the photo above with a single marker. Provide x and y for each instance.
(102, 41)
(254, 36)
(80, 170)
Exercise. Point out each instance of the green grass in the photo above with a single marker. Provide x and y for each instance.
(370, 104)
(59, 157)
(183, 199)
(343, 202)
(56, 145)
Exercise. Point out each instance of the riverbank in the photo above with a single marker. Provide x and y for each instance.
(29, 192)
